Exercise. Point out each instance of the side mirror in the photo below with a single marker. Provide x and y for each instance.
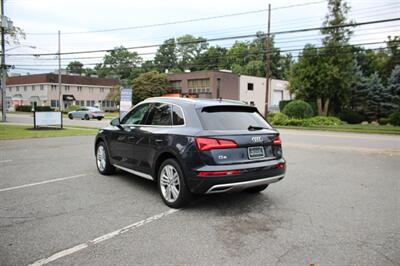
(115, 122)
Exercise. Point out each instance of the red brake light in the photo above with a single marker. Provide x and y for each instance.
(206, 144)
(277, 141)
(219, 173)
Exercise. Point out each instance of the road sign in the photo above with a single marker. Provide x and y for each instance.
(125, 103)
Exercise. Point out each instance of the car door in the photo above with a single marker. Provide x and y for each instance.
(153, 135)
(80, 112)
(123, 140)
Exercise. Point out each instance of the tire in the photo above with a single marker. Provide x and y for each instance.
(70, 116)
(103, 163)
(166, 173)
(87, 117)
(256, 189)
(99, 118)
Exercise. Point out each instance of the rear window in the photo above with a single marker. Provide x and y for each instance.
(231, 118)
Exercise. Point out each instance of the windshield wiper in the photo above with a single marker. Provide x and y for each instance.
(252, 128)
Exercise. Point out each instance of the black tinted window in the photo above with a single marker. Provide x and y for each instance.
(177, 116)
(136, 115)
(231, 118)
(160, 114)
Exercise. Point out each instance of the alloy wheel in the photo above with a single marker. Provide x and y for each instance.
(169, 183)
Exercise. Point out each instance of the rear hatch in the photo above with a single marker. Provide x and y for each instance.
(236, 134)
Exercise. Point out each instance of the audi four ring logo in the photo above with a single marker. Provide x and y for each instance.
(257, 139)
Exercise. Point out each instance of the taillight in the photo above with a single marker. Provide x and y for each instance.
(277, 140)
(280, 165)
(218, 173)
(206, 144)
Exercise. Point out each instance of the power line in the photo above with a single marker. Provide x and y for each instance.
(179, 21)
(266, 51)
(222, 38)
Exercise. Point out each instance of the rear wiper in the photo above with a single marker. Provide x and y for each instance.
(252, 128)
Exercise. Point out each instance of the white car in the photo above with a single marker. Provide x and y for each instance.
(86, 113)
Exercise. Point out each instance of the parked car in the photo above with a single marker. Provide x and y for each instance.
(86, 113)
(193, 146)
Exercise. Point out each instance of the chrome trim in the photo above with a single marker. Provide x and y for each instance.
(149, 177)
(243, 185)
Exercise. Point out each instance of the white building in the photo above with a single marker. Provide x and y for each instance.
(252, 91)
(43, 90)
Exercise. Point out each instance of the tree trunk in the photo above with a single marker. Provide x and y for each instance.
(323, 106)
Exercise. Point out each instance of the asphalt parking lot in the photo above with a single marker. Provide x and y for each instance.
(339, 204)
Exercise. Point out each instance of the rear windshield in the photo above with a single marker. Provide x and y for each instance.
(231, 118)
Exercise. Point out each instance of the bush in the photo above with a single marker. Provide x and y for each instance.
(71, 108)
(383, 121)
(298, 109)
(394, 118)
(28, 108)
(324, 121)
(23, 108)
(279, 119)
(43, 108)
(352, 117)
(282, 104)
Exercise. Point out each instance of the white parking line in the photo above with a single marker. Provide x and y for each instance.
(41, 183)
(102, 238)
(5, 161)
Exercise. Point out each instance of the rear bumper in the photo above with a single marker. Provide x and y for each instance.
(251, 174)
(243, 185)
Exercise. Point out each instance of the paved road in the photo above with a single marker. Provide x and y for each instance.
(338, 205)
(28, 119)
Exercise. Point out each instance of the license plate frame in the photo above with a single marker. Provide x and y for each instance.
(257, 152)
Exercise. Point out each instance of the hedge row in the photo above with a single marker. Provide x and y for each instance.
(280, 119)
(28, 108)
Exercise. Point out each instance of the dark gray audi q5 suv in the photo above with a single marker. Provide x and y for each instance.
(193, 146)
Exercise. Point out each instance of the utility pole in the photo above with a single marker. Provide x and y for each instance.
(59, 78)
(3, 67)
(267, 60)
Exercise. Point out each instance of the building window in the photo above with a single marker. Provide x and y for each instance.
(250, 86)
(176, 85)
(87, 103)
(33, 87)
(25, 88)
(79, 88)
(198, 84)
(10, 89)
(53, 87)
(66, 88)
(17, 88)
(41, 87)
(102, 90)
(54, 103)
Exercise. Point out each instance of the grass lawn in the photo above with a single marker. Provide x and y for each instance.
(22, 132)
(377, 129)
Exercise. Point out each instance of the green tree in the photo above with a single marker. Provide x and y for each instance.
(214, 58)
(150, 84)
(75, 67)
(119, 63)
(165, 57)
(308, 78)
(338, 56)
(374, 98)
(188, 49)
(248, 58)
(359, 91)
(393, 88)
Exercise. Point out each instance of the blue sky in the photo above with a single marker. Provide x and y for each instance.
(49, 16)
